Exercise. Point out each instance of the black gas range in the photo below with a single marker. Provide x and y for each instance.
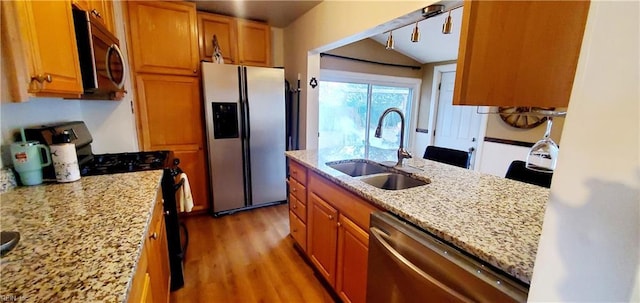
(102, 164)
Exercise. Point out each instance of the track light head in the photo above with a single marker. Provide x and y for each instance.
(389, 44)
(415, 35)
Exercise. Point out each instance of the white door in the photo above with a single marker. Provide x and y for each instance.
(457, 126)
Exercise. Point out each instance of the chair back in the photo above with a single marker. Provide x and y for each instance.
(518, 171)
(448, 156)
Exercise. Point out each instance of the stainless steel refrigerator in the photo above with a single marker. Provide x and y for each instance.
(245, 120)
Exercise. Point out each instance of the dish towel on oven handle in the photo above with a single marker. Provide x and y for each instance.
(185, 199)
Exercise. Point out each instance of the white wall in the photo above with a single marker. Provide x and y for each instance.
(496, 157)
(590, 244)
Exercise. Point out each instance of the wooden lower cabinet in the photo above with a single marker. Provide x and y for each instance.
(353, 251)
(337, 239)
(323, 237)
(152, 277)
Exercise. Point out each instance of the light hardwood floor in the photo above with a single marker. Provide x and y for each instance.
(246, 257)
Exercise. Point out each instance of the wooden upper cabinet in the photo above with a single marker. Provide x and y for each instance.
(101, 9)
(44, 57)
(164, 37)
(241, 41)
(519, 53)
(170, 111)
(225, 29)
(254, 43)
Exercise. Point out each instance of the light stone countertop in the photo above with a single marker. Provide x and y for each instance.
(495, 219)
(79, 241)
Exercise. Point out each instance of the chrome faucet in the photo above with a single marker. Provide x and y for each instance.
(402, 153)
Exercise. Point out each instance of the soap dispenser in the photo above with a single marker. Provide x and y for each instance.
(64, 158)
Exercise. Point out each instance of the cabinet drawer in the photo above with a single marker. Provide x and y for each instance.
(298, 230)
(297, 207)
(298, 172)
(298, 190)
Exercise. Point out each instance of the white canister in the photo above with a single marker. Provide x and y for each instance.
(65, 162)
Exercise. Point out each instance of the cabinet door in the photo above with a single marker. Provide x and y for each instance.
(103, 11)
(323, 237)
(254, 43)
(158, 267)
(51, 42)
(519, 53)
(193, 162)
(164, 37)
(353, 250)
(224, 28)
(170, 116)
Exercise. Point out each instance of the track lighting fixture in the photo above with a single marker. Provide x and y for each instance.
(415, 36)
(448, 24)
(389, 44)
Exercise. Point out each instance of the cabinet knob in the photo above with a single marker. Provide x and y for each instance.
(195, 71)
(154, 236)
(339, 224)
(330, 217)
(295, 206)
(166, 212)
(295, 230)
(96, 13)
(42, 78)
(294, 189)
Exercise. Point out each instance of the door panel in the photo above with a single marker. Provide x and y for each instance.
(322, 237)
(194, 164)
(457, 126)
(265, 99)
(353, 243)
(165, 37)
(224, 28)
(53, 46)
(221, 86)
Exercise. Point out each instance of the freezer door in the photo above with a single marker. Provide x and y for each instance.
(221, 85)
(266, 108)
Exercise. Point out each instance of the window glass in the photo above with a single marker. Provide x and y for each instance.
(349, 113)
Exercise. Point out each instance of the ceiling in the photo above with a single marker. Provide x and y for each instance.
(276, 13)
(433, 45)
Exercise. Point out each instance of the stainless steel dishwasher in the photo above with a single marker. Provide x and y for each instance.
(407, 264)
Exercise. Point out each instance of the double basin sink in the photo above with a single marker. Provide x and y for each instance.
(376, 174)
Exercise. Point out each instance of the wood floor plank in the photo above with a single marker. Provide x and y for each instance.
(246, 257)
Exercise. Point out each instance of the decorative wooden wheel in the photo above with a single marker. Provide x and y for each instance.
(520, 117)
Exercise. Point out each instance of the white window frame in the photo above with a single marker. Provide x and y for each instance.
(375, 79)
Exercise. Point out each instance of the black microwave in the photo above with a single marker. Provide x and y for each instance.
(102, 65)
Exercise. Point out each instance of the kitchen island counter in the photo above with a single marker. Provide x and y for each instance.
(79, 241)
(494, 219)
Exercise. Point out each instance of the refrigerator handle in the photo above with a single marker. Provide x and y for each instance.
(246, 127)
(241, 101)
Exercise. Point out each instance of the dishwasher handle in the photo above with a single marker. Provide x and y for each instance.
(380, 237)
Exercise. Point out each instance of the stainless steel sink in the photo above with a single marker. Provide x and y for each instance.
(393, 181)
(356, 168)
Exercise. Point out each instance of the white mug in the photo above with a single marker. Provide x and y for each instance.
(65, 162)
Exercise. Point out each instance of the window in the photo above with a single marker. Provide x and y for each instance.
(349, 110)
